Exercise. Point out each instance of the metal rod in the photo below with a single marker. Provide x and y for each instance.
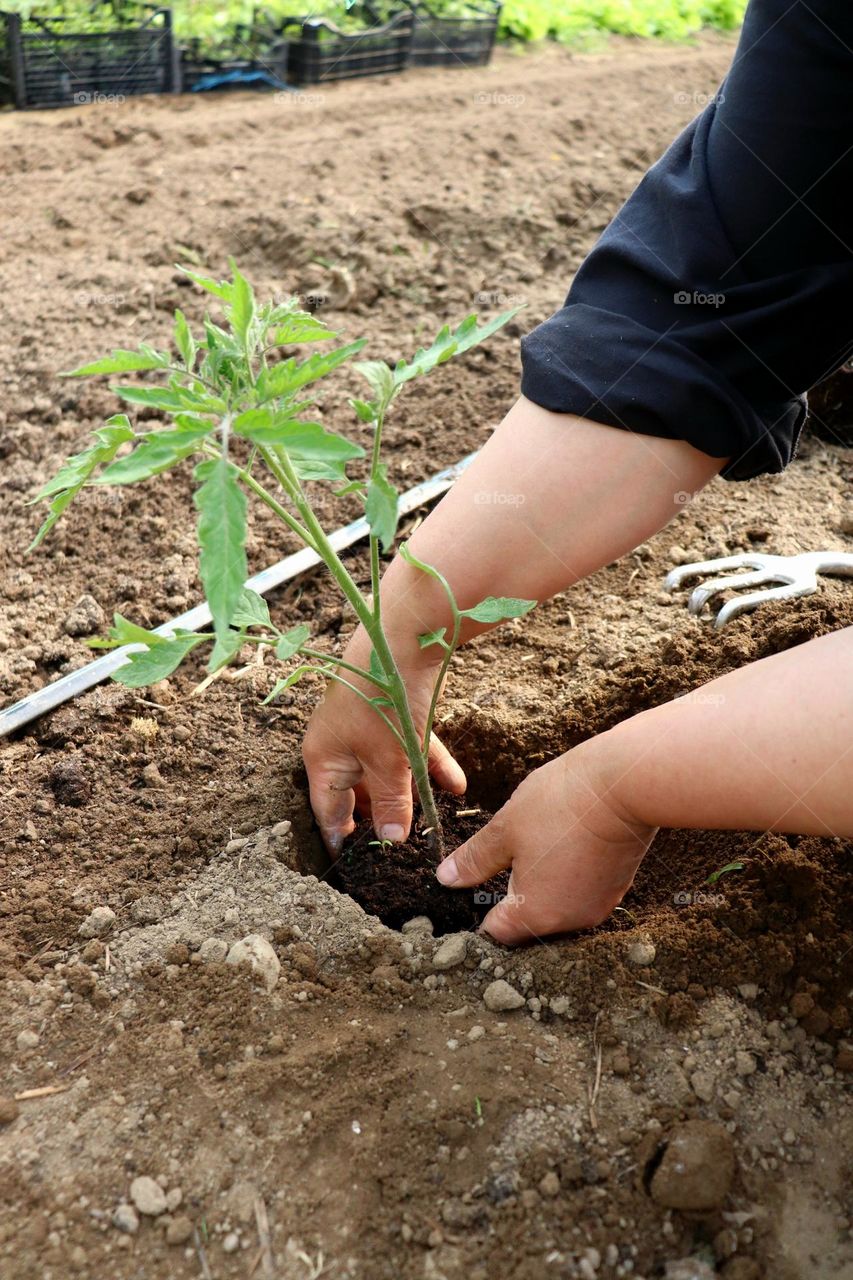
(53, 695)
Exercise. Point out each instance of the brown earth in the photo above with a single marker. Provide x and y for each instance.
(372, 1116)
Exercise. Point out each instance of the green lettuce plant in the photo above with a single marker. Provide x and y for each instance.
(239, 410)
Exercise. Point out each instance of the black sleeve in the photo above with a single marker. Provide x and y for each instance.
(723, 289)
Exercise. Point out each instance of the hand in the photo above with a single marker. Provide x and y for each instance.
(353, 761)
(572, 847)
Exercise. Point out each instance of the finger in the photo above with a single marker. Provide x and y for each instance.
(362, 801)
(330, 789)
(506, 923)
(479, 858)
(389, 785)
(446, 771)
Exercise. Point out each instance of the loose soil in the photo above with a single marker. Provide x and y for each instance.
(372, 1116)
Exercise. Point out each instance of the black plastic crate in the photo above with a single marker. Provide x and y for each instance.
(322, 52)
(453, 42)
(253, 57)
(47, 64)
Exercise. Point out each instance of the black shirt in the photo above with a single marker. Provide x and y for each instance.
(723, 289)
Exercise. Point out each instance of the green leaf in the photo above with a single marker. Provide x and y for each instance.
(410, 558)
(123, 631)
(281, 685)
(498, 608)
(290, 642)
(77, 470)
(241, 312)
(252, 611)
(224, 649)
(154, 453)
(184, 340)
(730, 866)
(380, 509)
(288, 376)
(171, 399)
(316, 454)
(300, 326)
(123, 362)
(433, 637)
(221, 505)
(220, 288)
(379, 376)
(448, 344)
(150, 665)
(367, 412)
(376, 669)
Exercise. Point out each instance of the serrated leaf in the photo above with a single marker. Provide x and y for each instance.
(173, 399)
(241, 311)
(221, 505)
(220, 288)
(381, 507)
(366, 412)
(498, 609)
(379, 376)
(316, 454)
(299, 327)
(429, 638)
(292, 641)
(184, 340)
(449, 343)
(122, 361)
(288, 681)
(123, 631)
(252, 611)
(288, 376)
(153, 454)
(156, 663)
(77, 470)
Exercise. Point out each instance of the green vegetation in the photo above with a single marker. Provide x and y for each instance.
(578, 23)
(238, 407)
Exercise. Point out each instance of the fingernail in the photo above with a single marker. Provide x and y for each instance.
(393, 832)
(447, 871)
(334, 840)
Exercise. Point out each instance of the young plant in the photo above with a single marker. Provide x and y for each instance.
(239, 410)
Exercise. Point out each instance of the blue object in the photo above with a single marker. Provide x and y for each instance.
(246, 75)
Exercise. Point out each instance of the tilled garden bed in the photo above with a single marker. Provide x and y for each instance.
(398, 1104)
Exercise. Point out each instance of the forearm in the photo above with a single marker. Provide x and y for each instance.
(766, 748)
(550, 499)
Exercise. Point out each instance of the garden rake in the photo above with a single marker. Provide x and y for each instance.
(796, 576)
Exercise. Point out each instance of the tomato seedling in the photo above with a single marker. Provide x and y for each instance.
(235, 405)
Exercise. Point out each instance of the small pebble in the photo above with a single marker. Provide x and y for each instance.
(27, 1039)
(126, 1220)
(231, 1243)
(745, 1064)
(213, 951)
(549, 1184)
(258, 954)
(451, 951)
(97, 923)
(148, 1196)
(179, 1230)
(641, 954)
(500, 996)
(418, 924)
(9, 1111)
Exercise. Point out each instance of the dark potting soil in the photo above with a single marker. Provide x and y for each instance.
(396, 882)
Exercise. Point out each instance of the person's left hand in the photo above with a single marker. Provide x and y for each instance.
(572, 848)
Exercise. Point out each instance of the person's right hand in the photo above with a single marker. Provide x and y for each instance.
(354, 762)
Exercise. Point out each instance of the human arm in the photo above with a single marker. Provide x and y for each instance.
(768, 747)
(550, 499)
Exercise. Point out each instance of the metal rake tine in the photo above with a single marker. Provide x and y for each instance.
(742, 603)
(700, 597)
(696, 570)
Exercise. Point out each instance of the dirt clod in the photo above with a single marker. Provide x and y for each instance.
(696, 1169)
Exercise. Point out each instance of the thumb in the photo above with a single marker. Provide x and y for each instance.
(505, 922)
(479, 858)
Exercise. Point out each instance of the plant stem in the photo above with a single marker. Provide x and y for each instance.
(282, 469)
